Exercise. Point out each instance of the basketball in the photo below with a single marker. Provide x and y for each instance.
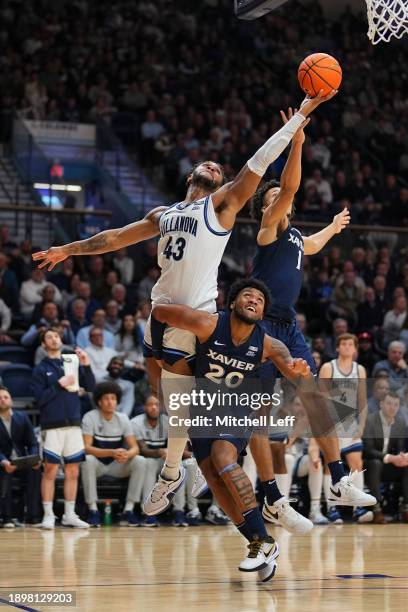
(319, 71)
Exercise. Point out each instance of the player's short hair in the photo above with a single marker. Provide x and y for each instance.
(107, 388)
(245, 283)
(392, 394)
(258, 199)
(346, 337)
(45, 332)
(205, 161)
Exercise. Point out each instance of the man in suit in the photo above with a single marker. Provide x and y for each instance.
(384, 452)
(17, 439)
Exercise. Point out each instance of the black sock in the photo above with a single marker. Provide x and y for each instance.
(271, 490)
(336, 471)
(254, 524)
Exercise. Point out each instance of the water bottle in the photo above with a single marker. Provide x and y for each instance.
(107, 513)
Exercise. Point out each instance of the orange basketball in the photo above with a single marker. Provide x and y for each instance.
(319, 71)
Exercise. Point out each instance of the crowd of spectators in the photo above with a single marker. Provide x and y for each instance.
(196, 83)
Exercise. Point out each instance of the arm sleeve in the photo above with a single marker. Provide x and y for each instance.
(87, 378)
(127, 426)
(41, 392)
(273, 147)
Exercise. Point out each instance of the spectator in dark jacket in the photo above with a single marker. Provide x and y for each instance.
(17, 439)
(385, 454)
(56, 383)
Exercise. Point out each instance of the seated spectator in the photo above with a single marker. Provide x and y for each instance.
(49, 318)
(340, 326)
(99, 354)
(367, 357)
(380, 390)
(57, 398)
(386, 459)
(144, 308)
(5, 323)
(92, 304)
(9, 290)
(119, 294)
(111, 450)
(77, 317)
(395, 319)
(115, 370)
(125, 266)
(369, 312)
(98, 321)
(147, 283)
(96, 277)
(347, 295)
(113, 322)
(48, 295)
(128, 342)
(17, 439)
(151, 430)
(62, 278)
(31, 292)
(395, 363)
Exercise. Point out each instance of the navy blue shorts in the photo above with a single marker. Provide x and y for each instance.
(202, 446)
(293, 338)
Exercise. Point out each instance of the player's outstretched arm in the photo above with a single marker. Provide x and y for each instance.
(314, 243)
(104, 242)
(199, 322)
(230, 198)
(279, 354)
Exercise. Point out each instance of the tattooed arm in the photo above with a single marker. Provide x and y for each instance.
(104, 242)
(278, 353)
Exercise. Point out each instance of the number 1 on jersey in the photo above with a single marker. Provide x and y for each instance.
(299, 262)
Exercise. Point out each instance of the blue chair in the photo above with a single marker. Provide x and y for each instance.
(16, 354)
(17, 378)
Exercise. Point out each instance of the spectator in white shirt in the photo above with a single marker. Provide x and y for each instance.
(99, 355)
(32, 292)
(125, 265)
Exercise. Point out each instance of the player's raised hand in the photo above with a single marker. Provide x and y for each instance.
(50, 258)
(299, 136)
(300, 367)
(341, 220)
(309, 104)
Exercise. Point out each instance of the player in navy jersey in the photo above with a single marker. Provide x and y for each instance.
(231, 347)
(278, 262)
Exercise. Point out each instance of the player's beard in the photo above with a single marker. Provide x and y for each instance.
(240, 314)
(199, 180)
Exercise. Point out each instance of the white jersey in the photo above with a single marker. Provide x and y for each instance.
(345, 390)
(192, 243)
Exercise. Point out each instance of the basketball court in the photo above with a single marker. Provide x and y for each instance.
(346, 567)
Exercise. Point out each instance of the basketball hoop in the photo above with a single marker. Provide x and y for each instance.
(386, 18)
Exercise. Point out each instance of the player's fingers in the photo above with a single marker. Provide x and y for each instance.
(43, 264)
(284, 118)
(39, 255)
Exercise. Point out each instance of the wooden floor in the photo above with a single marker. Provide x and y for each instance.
(186, 569)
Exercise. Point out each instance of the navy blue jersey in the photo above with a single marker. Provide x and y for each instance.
(279, 265)
(220, 362)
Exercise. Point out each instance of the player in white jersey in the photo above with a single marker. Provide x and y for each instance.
(194, 234)
(348, 387)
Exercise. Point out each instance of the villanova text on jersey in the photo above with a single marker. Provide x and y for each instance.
(179, 224)
(279, 265)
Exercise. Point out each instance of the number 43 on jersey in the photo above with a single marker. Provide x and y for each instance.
(175, 251)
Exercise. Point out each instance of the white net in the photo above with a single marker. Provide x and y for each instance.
(386, 18)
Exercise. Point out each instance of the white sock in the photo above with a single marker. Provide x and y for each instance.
(93, 506)
(129, 506)
(283, 481)
(326, 487)
(69, 508)
(48, 511)
(177, 436)
(315, 481)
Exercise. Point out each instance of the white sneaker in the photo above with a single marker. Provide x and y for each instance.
(268, 572)
(162, 493)
(282, 513)
(200, 485)
(48, 521)
(260, 552)
(345, 493)
(73, 520)
(318, 518)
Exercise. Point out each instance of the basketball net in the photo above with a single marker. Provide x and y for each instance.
(386, 18)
